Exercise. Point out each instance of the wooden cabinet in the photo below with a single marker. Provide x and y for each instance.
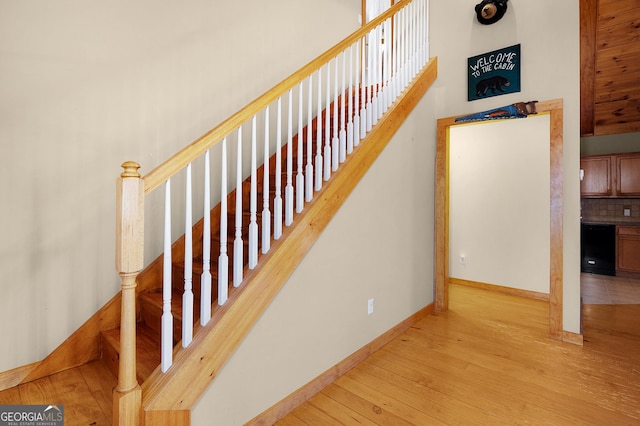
(628, 172)
(596, 176)
(615, 175)
(628, 249)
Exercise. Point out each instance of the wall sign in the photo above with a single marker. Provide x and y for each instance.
(494, 73)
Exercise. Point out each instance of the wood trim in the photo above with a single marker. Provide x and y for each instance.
(588, 20)
(291, 402)
(197, 365)
(441, 279)
(14, 377)
(169, 418)
(573, 338)
(82, 346)
(502, 289)
(556, 220)
(177, 162)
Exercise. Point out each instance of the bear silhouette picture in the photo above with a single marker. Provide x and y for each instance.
(495, 84)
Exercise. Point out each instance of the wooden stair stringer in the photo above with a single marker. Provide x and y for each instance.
(196, 366)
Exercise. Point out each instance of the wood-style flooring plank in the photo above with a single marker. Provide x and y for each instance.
(313, 415)
(342, 415)
(100, 382)
(363, 406)
(10, 396)
(422, 398)
(80, 406)
(385, 399)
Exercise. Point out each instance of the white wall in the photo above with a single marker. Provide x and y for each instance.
(548, 32)
(87, 85)
(499, 184)
(379, 245)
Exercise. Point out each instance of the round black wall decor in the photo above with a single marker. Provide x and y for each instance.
(490, 11)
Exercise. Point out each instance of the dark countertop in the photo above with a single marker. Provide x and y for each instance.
(609, 222)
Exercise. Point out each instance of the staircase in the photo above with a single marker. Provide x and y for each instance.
(148, 328)
(127, 330)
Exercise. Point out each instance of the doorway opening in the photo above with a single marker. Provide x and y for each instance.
(554, 109)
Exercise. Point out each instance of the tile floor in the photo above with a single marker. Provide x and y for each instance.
(604, 289)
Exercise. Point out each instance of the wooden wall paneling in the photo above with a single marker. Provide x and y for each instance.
(610, 67)
(617, 67)
(588, 15)
(617, 12)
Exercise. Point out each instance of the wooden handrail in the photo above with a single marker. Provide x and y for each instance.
(180, 160)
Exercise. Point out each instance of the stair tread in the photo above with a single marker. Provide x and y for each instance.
(147, 348)
(154, 297)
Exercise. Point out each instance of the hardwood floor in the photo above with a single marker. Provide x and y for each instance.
(488, 360)
(85, 392)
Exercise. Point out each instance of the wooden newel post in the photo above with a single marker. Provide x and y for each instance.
(127, 397)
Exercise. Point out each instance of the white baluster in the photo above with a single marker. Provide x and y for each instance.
(350, 101)
(223, 259)
(309, 168)
(335, 141)
(288, 190)
(409, 43)
(416, 37)
(405, 47)
(343, 115)
(277, 202)
(363, 90)
(166, 352)
(266, 213)
(356, 102)
(205, 278)
(187, 296)
(386, 69)
(379, 80)
(394, 58)
(426, 32)
(413, 40)
(238, 244)
(300, 156)
(369, 106)
(327, 127)
(253, 200)
(374, 51)
(400, 30)
(380, 71)
(318, 174)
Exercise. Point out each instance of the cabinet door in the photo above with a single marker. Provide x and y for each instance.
(596, 181)
(628, 168)
(628, 249)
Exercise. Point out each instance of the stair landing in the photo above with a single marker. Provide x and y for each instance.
(85, 392)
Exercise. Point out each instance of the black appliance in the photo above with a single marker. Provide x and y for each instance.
(598, 248)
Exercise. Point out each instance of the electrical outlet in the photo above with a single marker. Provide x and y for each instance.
(626, 211)
(370, 307)
(463, 259)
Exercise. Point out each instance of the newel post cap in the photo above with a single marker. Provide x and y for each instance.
(130, 170)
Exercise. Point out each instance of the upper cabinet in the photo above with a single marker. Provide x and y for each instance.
(610, 67)
(628, 175)
(610, 176)
(595, 172)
